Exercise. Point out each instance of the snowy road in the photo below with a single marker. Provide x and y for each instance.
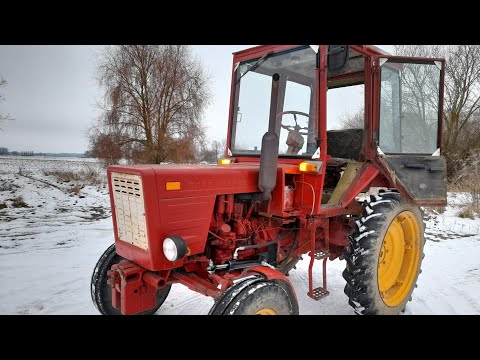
(47, 253)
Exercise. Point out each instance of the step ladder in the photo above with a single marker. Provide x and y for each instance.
(319, 292)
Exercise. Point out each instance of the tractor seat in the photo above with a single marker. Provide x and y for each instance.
(345, 144)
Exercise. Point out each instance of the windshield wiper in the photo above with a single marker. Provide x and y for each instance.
(255, 66)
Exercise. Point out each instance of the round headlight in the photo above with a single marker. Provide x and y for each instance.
(174, 248)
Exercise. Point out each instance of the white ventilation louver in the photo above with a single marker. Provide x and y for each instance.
(130, 209)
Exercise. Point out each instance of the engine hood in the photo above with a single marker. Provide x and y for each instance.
(197, 180)
(202, 180)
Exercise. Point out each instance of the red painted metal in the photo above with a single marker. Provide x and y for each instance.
(220, 207)
(339, 229)
(312, 260)
(273, 275)
(196, 283)
(229, 208)
(269, 273)
(135, 294)
(321, 117)
(369, 148)
(154, 279)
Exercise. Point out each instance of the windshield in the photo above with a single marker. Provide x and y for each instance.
(409, 107)
(295, 123)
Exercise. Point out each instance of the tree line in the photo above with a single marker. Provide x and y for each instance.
(4, 151)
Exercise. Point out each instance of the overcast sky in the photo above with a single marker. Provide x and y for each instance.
(52, 92)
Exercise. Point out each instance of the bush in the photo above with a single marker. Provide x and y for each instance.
(74, 190)
(466, 179)
(468, 212)
(87, 177)
(18, 202)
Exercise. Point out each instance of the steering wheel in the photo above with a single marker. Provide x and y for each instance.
(296, 127)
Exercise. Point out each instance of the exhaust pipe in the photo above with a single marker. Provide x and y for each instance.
(267, 177)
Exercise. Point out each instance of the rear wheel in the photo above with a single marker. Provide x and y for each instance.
(102, 292)
(254, 296)
(385, 255)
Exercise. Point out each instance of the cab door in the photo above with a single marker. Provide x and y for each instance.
(408, 125)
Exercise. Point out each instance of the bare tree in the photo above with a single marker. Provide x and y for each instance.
(155, 96)
(462, 90)
(3, 83)
(211, 153)
(106, 147)
(352, 120)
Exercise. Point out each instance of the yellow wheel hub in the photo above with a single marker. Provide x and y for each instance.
(266, 311)
(399, 258)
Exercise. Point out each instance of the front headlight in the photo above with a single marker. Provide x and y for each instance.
(174, 248)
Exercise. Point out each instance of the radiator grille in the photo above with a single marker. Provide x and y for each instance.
(130, 209)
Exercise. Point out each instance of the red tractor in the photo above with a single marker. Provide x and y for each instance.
(288, 187)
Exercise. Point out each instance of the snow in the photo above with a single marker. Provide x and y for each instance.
(48, 251)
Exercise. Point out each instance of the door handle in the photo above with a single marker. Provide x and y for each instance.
(420, 166)
(414, 166)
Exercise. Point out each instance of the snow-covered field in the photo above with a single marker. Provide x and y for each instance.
(49, 249)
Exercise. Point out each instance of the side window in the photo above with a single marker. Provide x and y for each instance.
(253, 111)
(409, 112)
(390, 111)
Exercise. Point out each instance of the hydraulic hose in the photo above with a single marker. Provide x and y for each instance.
(285, 261)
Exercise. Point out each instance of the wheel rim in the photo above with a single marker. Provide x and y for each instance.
(399, 257)
(266, 311)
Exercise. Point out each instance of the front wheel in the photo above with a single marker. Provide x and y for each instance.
(255, 296)
(385, 255)
(102, 292)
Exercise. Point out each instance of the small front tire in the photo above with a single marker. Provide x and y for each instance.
(102, 292)
(255, 296)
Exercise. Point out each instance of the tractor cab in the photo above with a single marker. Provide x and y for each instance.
(400, 136)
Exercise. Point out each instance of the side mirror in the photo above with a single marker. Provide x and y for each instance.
(337, 57)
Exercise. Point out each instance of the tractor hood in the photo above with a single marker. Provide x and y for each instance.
(201, 180)
(196, 180)
(151, 202)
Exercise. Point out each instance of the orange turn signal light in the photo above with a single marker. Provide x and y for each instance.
(310, 166)
(226, 161)
(172, 185)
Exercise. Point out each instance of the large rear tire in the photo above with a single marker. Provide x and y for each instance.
(255, 296)
(102, 292)
(385, 255)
